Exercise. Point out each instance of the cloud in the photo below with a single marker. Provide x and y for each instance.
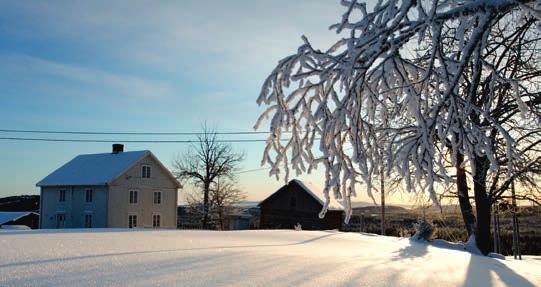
(89, 80)
(185, 51)
(203, 39)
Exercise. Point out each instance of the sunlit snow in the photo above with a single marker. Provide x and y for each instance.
(245, 258)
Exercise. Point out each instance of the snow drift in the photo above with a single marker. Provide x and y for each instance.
(245, 258)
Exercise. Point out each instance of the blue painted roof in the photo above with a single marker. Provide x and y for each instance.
(92, 169)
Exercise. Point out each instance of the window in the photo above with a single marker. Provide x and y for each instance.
(88, 197)
(156, 220)
(62, 196)
(133, 196)
(293, 202)
(157, 197)
(132, 221)
(146, 171)
(60, 220)
(88, 220)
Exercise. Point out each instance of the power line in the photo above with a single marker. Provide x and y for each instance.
(129, 141)
(253, 170)
(130, 133)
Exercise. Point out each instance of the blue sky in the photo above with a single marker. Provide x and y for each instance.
(146, 66)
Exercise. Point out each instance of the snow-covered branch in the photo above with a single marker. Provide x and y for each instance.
(424, 73)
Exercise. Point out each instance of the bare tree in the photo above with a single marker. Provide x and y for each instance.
(206, 162)
(223, 196)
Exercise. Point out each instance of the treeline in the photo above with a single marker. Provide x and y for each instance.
(451, 227)
(20, 203)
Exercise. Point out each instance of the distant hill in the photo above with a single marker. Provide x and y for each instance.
(246, 204)
(20, 203)
(377, 209)
(357, 205)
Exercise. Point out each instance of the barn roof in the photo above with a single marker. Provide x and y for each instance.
(313, 191)
(96, 169)
(318, 194)
(7, 216)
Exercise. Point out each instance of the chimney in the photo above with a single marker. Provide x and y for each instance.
(118, 148)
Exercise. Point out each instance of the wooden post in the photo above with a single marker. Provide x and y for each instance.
(494, 226)
(382, 190)
(516, 252)
(518, 240)
(498, 230)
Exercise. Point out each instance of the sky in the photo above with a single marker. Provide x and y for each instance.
(143, 66)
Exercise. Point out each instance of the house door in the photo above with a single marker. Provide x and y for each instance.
(132, 221)
(60, 220)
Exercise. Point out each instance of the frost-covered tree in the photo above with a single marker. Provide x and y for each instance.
(511, 50)
(428, 74)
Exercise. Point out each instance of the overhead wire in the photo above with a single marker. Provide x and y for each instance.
(129, 133)
(9, 137)
(129, 141)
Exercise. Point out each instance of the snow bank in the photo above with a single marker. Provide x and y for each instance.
(121, 257)
(15, 227)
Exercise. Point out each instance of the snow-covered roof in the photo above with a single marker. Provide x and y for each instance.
(318, 194)
(7, 216)
(93, 169)
(313, 191)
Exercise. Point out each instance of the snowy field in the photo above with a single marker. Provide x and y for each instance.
(245, 258)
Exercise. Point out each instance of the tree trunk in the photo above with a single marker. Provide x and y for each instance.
(482, 205)
(463, 196)
(206, 190)
(221, 219)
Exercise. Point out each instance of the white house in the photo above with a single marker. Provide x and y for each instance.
(118, 189)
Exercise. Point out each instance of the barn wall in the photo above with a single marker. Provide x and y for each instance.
(278, 211)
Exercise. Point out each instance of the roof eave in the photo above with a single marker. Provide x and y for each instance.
(72, 184)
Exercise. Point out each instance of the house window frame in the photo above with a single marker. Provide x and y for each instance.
(87, 222)
(146, 171)
(130, 221)
(62, 195)
(156, 220)
(89, 195)
(159, 194)
(133, 199)
(63, 214)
